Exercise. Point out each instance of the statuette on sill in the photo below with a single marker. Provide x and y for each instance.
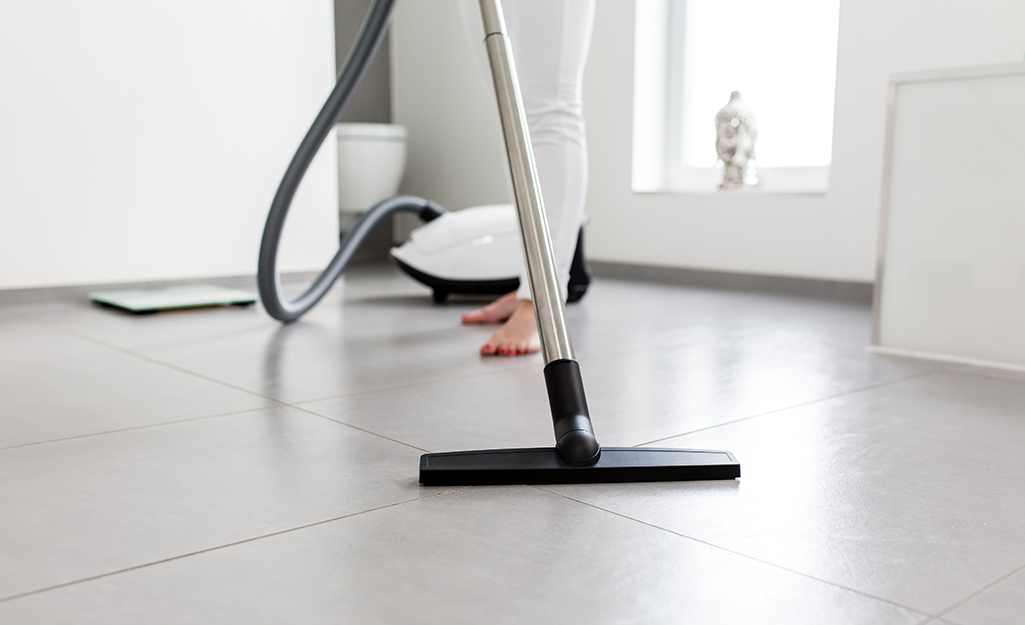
(736, 131)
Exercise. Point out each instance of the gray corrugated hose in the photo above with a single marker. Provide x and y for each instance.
(267, 277)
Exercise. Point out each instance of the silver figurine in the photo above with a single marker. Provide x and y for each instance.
(736, 131)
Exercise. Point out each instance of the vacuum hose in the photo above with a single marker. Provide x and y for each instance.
(267, 277)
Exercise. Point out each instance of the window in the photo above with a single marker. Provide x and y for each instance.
(691, 54)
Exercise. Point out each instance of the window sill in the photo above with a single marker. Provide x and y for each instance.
(771, 180)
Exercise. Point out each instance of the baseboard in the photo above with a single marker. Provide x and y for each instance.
(860, 292)
(961, 360)
(78, 292)
(849, 291)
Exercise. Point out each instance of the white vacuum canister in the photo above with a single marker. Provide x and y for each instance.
(475, 250)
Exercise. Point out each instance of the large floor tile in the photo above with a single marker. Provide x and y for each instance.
(504, 409)
(55, 385)
(905, 492)
(500, 555)
(661, 360)
(378, 326)
(88, 506)
(309, 360)
(634, 397)
(648, 394)
(618, 312)
(657, 361)
(374, 331)
(1003, 603)
(722, 342)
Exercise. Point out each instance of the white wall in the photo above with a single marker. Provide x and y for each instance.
(145, 140)
(455, 154)
(437, 93)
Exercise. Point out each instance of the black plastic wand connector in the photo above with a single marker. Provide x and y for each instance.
(574, 437)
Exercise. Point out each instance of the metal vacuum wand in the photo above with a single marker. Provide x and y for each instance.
(577, 458)
(544, 280)
(575, 439)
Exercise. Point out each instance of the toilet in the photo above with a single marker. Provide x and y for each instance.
(371, 160)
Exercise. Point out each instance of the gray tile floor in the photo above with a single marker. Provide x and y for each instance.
(212, 466)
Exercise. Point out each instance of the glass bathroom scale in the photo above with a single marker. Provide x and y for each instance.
(173, 297)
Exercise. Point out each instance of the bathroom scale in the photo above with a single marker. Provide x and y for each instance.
(173, 297)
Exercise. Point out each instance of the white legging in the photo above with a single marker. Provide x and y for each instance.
(550, 39)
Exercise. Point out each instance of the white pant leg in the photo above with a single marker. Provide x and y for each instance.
(550, 40)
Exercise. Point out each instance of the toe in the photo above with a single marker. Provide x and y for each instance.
(490, 348)
(473, 317)
(482, 315)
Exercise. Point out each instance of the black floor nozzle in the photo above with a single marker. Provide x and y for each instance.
(543, 465)
(577, 458)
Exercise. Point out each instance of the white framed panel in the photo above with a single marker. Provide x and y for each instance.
(951, 271)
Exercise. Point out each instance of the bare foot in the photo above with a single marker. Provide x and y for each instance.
(495, 312)
(518, 335)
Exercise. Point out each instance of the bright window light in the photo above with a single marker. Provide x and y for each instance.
(781, 56)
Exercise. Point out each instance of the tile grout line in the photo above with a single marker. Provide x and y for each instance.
(275, 401)
(224, 546)
(279, 402)
(405, 386)
(737, 553)
(155, 361)
(137, 427)
(810, 402)
(980, 591)
(356, 427)
(302, 405)
(216, 416)
(196, 374)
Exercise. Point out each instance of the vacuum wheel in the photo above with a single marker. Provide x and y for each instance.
(440, 296)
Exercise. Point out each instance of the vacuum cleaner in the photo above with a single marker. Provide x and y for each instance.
(477, 251)
(576, 457)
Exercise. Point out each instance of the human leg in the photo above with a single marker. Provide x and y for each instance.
(550, 39)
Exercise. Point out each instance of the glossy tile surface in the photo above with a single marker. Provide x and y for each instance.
(1003, 603)
(89, 506)
(386, 334)
(905, 492)
(215, 466)
(483, 555)
(56, 385)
